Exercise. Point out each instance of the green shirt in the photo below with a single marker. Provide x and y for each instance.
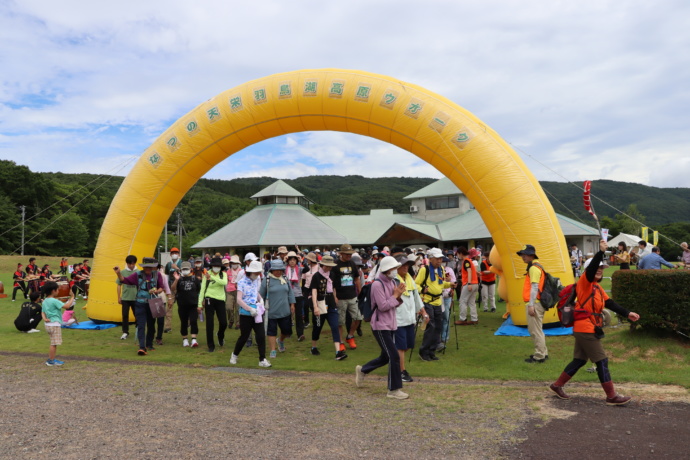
(52, 307)
(213, 288)
(128, 292)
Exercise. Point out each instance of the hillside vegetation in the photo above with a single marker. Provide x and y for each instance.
(65, 212)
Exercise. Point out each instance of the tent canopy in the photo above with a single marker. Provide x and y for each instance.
(629, 240)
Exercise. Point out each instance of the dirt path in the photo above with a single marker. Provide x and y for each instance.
(109, 409)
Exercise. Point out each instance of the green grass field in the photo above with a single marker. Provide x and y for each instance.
(634, 357)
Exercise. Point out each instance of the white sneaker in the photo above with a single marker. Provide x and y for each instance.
(233, 359)
(359, 376)
(194, 343)
(185, 343)
(264, 363)
(397, 394)
(124, 336)
(31, 331)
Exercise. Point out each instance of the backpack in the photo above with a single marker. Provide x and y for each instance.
(364, 301)
(551, 291)
(567, 314)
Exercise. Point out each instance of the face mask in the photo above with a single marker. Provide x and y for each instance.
(254, 276)
(185, 272)
(174, 256)
(197, 265)
(392, 274)
(216, 269)
(235, 266)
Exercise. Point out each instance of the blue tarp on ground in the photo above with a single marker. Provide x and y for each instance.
(90, 325)
(508, 328)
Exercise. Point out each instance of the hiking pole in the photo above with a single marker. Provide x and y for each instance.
(455, 326)
(415, 338)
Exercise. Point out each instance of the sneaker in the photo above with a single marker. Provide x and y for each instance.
(31, 331)
(433, 357)
(559, 392)
(441, 347)
(315, 351)
(142, 352)
(57, 362)
(461, 322)
(281, 345)
(85, 298)
(397, 394)
(233, 359)
(151, 347)
(50, 362)
(406, 377)
(272, 354)
(221, 342)
(301, 338)
(359, 330)
(211, 349)
(230, 325)
(159, 341)
(248, 343)
(306, 325)
(124, 336)
(339, 356)
(264, 363)
(425, 357)
(547, 357)
(359, 376)
(185, 343)
(493, 310)
(194, 343)
(167, 331)
(618, 400)
(486, 310)
(351, 343)
(342, 347)
(532, 359)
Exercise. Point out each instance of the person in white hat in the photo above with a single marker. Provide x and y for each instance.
(293, 273)
(385, 299)
(406, 315)
(324, 304)
(233, 271)
(251, 308)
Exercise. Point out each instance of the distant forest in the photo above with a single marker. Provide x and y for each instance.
(65, 212)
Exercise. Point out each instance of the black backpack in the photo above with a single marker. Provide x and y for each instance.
(364, 301)
(551, 292)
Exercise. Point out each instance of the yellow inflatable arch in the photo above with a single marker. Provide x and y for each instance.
(458, 144)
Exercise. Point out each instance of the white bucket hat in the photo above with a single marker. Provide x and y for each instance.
(388, 263)
(250, 256)
(435, 253)
(255, 267)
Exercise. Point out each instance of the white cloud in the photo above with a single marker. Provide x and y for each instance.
(571, 83)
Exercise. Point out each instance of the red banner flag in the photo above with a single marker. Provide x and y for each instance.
(586, 196)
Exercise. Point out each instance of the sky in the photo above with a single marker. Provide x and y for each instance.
(582, 90)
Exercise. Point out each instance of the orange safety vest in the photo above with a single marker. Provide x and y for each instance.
(491, 277)
(473, 269)
(527, 288)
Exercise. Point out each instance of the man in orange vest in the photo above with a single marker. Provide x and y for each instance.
(531, 293)
(470, 287)
(488, 279)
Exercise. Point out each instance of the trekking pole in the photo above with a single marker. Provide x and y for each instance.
(455, 326)
(415, 338)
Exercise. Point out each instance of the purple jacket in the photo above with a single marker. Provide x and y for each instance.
(383, 318)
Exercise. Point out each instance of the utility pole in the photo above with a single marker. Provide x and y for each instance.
(166, 236)
(179, 230)
(23, 208)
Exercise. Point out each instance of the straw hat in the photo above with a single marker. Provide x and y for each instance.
(327, 261)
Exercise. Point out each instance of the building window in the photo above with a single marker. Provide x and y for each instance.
(281, 200)
(443, 202)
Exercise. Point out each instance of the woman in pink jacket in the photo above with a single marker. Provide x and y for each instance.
(385, 298)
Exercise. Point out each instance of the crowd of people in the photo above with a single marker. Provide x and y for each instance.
(405, 289)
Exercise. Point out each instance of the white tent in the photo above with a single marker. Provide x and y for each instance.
(629, 240)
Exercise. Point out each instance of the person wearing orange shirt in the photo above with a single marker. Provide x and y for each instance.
(591, 301)
(531, 294)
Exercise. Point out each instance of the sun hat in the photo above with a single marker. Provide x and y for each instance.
(249, 256)
(292, 254)
(357, 259)
(317, 250)
(198, 259)
(436, 253)
(588, 261)
(528, 250)
(277, 264)
(327, 261)
(216, 262)
(149, 262)
(186, 265)
(388, 263)
(311, 257)
(255, 267)
(226, 261)
(473, 253)
(346, 249)
(406, 259)
(282, 250)
(235, 259)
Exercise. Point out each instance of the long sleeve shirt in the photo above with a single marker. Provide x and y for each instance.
(385, 304)
(653, 262)
(213, 288)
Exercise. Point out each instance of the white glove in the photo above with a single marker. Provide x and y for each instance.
(253, 312)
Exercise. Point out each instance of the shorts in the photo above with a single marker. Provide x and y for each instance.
(348, 305)
(588, 347)
(404, 337)
(55, 333)
(284, 323)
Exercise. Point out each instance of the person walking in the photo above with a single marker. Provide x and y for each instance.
(587, 329)
(385, 300)
(488, 280)
(280, 303)
(231, 307)
(251, 313)
(171, 268)
(347, 284)
(431, 281)
(324, 304)
(127, 295)
(407, 313)
(470, 287)
(293, 273)
(531, 293)
(186, 287)
(622, 256)
(212, 299)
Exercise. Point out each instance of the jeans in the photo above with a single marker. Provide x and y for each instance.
(432, 334)
(127, 305)
(447, 301)
(389, 355)
(145, 324)
(247, 325)
(217, 308)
